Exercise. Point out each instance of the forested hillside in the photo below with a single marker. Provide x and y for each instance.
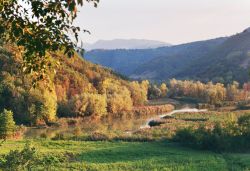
(77, 88)
(220, 60)
(160, 63)
(229, 61)
(176, 59)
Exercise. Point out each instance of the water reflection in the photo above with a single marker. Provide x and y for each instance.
(89, 125)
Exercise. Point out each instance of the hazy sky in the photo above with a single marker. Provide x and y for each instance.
(173, 21)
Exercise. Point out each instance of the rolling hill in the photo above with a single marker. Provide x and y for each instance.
(220, 60)
(151, 63)
(124, 61)
(77, 88)
(175, 60)
(229, 61)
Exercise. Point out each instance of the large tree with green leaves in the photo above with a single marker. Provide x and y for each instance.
(40, 27)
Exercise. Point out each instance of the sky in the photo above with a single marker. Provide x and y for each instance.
(171, 21)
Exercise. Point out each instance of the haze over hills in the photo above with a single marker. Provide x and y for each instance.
(175, 60)
(229, 61)
(124, 61)
(125, 44)
(220, 60)
(145, 63)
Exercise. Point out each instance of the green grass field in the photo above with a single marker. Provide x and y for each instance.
(131, 156)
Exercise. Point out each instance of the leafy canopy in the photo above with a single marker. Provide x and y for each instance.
(39, 27)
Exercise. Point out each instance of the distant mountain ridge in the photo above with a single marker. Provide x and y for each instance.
(229, 61)
(132, 62)
(125, 44)
(220, 60)
(123, 61)
(175, 59)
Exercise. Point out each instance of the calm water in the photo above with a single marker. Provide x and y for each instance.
(86, 125)
(119, 125)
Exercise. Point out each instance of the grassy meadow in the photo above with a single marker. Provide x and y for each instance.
(142, 149)
(104, 155)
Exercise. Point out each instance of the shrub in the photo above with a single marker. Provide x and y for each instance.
(96, 136)
(59, 136)
(244, 122)
(230, 137)
(185, 136)
(19, 160)
(50, 160)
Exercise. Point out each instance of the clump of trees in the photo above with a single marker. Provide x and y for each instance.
(208, 93)
(89, 104)
(118, 96)
(155, 92)
(234, 93)
(139, 92)
(29, 105)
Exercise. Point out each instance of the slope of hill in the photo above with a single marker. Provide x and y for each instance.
(151, 63)
(78, 88)
(229, 61)
(175, 59)
(220, 60)
(125, 44)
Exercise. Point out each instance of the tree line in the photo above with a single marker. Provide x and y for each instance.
(209, 92)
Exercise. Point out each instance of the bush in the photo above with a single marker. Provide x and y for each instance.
(96, 136)
(185, 136)
(19, 160)
(59, 136)
(50, 160)
(233, 136)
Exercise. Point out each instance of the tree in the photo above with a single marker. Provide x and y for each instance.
(138, 92)
(7, 124)
(89, 104)
(120, 102)
(118, 96)
(164, 90)
(39, 27)
(41, 105)
(154, 92)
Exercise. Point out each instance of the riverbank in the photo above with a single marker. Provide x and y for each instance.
(156, 121)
